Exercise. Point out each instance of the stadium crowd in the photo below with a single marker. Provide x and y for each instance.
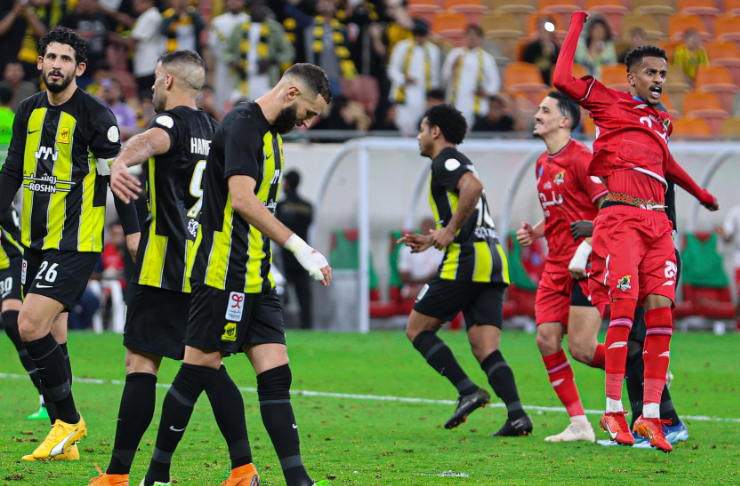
(387, 60)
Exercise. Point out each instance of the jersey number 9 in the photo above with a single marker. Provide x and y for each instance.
(196, 188)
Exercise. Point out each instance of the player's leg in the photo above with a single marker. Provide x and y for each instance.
(438, 302)
(483, 319)
(584, 322)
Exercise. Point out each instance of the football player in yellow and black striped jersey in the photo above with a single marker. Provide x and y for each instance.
(63, 139)
(234, 305)
(175, 146)
(472, 276)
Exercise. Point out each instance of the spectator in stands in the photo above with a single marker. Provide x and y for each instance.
(147, 43)
(297, 214)
(110, 92)
(638, 38)
(344, 114)
(13, 80)
(206, 101)
(99, 71)
(414, 71)
(181, 25)
(218, 40)
(146, 112)
(690, 55)
(6, 122)
(258, 48)
(94, 27)
(22, 24)
(471, 76)
(597, 48)
(417, 268)
(497, 119)
(543, 51)
(114, 253)
(388, 123)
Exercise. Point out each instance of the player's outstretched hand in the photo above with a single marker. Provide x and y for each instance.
(524, 234)
(311, 260)
(124, 185)
(714, 206)
(417, 242)
(578, 14)
(581, 229)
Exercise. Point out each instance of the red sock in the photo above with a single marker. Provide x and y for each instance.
(599, 359)
(656, 354)
(563, 382)
(623, 312)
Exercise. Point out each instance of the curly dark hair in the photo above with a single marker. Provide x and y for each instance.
(450, 121)
(636, 55)
(567, 107)
(67, 36)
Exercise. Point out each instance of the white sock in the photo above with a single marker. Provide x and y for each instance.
(41, 400)
(651, 410)
(613, 406)
(581, 421)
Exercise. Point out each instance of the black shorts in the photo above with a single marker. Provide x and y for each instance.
(59, 275)
(480, 303)
(10, 280)
(578, 298)
(227, 321)
(156, 321)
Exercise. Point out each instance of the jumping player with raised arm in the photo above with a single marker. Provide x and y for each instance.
(633, 259)
(63, 140)
(567, 194)
(472, 276)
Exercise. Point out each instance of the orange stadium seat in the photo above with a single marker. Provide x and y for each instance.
(615, 76)
(561, 8)
(502, 28)
(423, 9)
(727, 28)
(704, 9)
(525, 77)
(727, 54)
(653, 31)
(690, 127)
(676, 86)
(448, 22)
(717, 80)
(678, 24)
(666, 99)
(473, 10)
(528, 101)
(697, 104)
(732, 7)
(613, 10)
(587, 124)
(731, 127)
(519, 10)
(534, 19)
(659, 10)
(669, 46)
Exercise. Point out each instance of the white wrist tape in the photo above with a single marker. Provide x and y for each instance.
(580, 258)
(309, 259)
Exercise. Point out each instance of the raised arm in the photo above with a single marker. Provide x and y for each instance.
(678, 175)
(563, 76)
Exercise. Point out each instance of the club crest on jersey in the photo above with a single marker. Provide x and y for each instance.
(229, 332)
(559, 177)
(193, 227)
(624, 283)
(666, 123)
(64, 135)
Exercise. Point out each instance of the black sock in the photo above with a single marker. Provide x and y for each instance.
(49, 361)
(440, 357)
(10, 319)
(178, 406)
(501, 379)
(51, 409)
(667, 410)
(273, 388)
(134, 416)
(65, 351)
(634, 372)
(228, 409)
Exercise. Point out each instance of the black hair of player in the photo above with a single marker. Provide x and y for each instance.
(436, 94)
(567, 107)
(636, 55)
(63, 35)
(6, 95)
(314, 77)
(450, 121)
(185, 56)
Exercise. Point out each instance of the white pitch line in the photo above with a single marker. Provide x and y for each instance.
(376, 398)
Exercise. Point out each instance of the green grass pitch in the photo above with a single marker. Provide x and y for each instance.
(364, 441)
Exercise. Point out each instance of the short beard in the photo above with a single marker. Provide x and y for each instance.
(57, 88)
(286, 120)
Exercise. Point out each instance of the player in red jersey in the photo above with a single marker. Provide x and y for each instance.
(567, 194)
(633, 260)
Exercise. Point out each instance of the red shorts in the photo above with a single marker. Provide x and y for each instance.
(633, 255)
(554, 293)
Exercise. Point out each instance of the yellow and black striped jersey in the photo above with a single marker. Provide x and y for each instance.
(475, 254)
(63, 152)
(9, 239)
(232, 254)
(175, 196)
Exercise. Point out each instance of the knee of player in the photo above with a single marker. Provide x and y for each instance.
(581, 352)
(547, 342)
(274, 384)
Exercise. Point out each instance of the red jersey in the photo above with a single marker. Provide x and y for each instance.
(567, 194)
